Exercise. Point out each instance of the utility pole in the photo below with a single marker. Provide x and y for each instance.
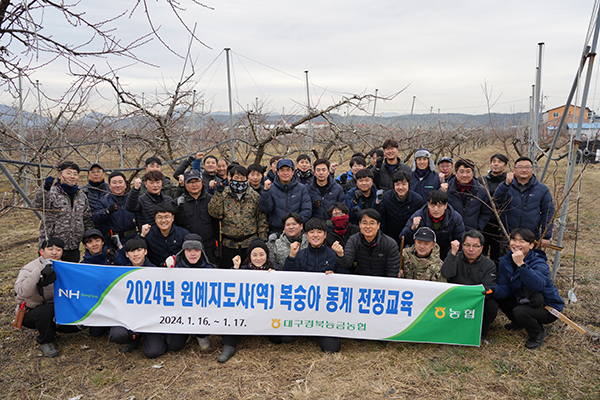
(412, 107)
(533, 149)
(310, 131)
(232, 136)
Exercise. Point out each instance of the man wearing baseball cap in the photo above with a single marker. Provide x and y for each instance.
(422, 260)
(445, 166)
(96, 188)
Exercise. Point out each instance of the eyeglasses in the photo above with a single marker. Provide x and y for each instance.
(471, 246)
(368, 223)
(163, 217)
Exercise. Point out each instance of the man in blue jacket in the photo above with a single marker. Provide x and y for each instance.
(524, 287)
(527, 202)
(364, 195)
(286, 194)
(323, 190)
(424, 179)
(111, 217)
(164, 238)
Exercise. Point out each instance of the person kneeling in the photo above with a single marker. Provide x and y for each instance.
(317, 257)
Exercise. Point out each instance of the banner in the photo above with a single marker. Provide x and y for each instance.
(245, 302)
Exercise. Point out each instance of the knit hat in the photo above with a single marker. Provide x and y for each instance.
(258, 243)
(193, 241)
(423, 153)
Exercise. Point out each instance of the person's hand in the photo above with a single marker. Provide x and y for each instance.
(442, 177)
(267, 184)
(416, 223)
(333, 167)
(518, 257)
(48, 183)
(220, 188)
(180, 201)
(237, 261)
(329, 272)
(294, 247)
(444, 187)
(455, 246)
(509, 178)
(111, 256)
(489, 291)
(212, 184)
(181, 182)
(338, 248)
(112, 208)
(145, 230)
(47, 275)
(400, 273)
(170, 262)
(545, 243)
(200, 155)
(137, 183)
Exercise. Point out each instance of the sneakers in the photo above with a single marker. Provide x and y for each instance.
(204, 342)
(513, 326)
(227, 353)
(537, 340)
(49, 350)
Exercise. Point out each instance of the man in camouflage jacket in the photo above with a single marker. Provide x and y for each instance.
(241, 220)
(422, 260)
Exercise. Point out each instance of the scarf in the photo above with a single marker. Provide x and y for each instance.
(340, 224)
(68, 189)
(434, 219)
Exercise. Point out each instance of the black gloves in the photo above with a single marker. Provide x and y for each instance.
(111, 256)
(220, 188)
(343, 178)
(48, 183)
(47, 275)
(112, 208)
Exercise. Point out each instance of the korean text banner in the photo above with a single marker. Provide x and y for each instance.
(212, 301)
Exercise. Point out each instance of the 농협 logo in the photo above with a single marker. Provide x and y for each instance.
(276, 323)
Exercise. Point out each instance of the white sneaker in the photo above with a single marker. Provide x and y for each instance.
(204, 342)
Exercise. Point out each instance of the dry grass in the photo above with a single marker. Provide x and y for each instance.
(566, 367)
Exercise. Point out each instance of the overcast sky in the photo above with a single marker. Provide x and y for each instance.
(442, 52)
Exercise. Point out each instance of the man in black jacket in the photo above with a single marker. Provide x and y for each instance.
(470, 267)
(495, 241)
(375, 254)
(143, 205)
(391, 164)
(192, 212)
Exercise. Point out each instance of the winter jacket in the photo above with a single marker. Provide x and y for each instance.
(355, 203)
(95, 193)
(121, 221)
(161, 247)
(281, 199)
(423, 269)
(169, 188)
(473, 205)
(26, 285)
(206, 177)
(492, 182)
(60, 218)
(457, 269)
(181, 262)
(383, 176)
(192, 214)
(98, 259)
(143, 206)
(312, 259)
(396, 212)
(527, 206)
(451, 228)
(533, 277)
(241, 220)
(304, 177)
(381, 258)
(333, 236)
(280, 248)
(422, 186)
(320, 204)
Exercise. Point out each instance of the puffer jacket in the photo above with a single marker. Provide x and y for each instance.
(452, 228)
(383, 177)
(320, 204)
(143, 206)
(473, 205)
(169, 188)
(160, 247)
(281, 199)
(533, 277)
(357, 204)
(280, 248)
(380, 259)
(312, 259)
(61, 220)
(527, 206)
(457, 269)
(95, 193)
(192, 214)
(241, 220)
(431, 181)
(395, 212)
(121, 221)
(26, 285)
(333, 236)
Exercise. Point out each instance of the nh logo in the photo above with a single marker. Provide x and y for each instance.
(68, 293)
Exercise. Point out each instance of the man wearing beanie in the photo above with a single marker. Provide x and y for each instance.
(424, 179)
(65, 210)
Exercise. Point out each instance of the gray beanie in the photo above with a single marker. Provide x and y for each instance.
(193, 241)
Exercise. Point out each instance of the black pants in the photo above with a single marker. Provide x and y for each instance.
(531, 318)
(41, 318)
(229, 253)
(156, 344)
(490, 311)
(209, 249)
(71, 255)
(495, 242)
(121, 335)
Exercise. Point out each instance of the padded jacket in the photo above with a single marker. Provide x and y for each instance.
(395, 213)
(383, 177)
(355, 205)
(192, 214)
(281, 199)
(431, 181)
(320, 204)
(160, 247)
(457, 269)
(143, 206)
(119, 221)
(533, 277)
(312, 259)
(380, 259)
(473, 206)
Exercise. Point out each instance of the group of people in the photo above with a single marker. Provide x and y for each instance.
(429, 221)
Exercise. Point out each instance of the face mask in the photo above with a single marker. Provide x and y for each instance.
(238, 187)
(341, 222)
